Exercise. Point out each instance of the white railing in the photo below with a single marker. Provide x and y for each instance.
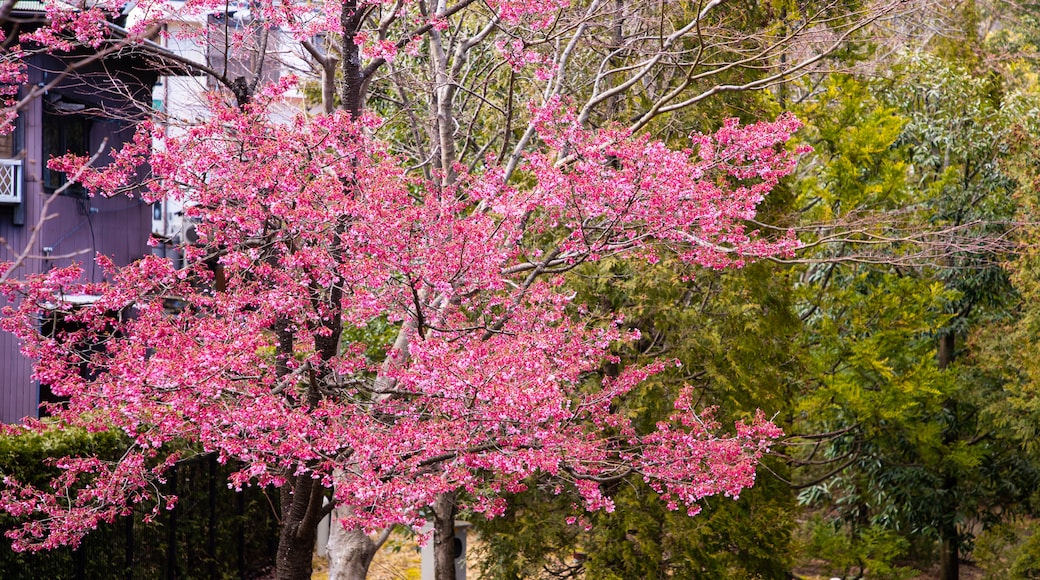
(10, 181)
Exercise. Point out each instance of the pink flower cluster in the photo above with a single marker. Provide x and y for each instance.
(516, 54)
(538, 14)
(12, 76)
(67, 28)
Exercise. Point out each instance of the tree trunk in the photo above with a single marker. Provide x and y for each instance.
(301, 510)
(444, 537)
(949, 558)
(949, 551)
(350, 551)
(947, 349)
(350, 97)
(295, 553)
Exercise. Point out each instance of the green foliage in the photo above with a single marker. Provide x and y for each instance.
(1009, 551)
(871, 552)
(856, 166)
(873, 334)
(961, 42)
(27, 457)
(532, 535)
(923, 453)
(747, 538)
(1009, 347)
(732, 331)
(1027, 560)
(376, 335)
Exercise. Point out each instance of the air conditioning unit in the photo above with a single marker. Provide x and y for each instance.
(10, 181)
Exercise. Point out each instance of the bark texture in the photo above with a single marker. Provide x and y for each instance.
(350, 551)
(444, 510)
(301, 506)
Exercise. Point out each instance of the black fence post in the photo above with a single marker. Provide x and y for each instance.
(129, 529)
(171, 539)
(240, 503)
(79, 560)
(211, 537)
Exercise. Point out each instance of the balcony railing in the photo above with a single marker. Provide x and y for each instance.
(10, 181)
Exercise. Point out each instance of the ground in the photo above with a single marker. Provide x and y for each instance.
(399, 560)
(811, 572)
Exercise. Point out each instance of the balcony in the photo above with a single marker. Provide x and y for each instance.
(10, 181)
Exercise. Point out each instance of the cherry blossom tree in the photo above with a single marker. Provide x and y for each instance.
(425, 197)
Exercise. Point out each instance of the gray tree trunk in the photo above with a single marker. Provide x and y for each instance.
(350, 551)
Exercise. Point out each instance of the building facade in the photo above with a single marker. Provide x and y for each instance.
(95, 109)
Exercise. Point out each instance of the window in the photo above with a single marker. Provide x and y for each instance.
(11, 172)
(63, 133)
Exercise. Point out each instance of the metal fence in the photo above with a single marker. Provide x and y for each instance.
(212, 533)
